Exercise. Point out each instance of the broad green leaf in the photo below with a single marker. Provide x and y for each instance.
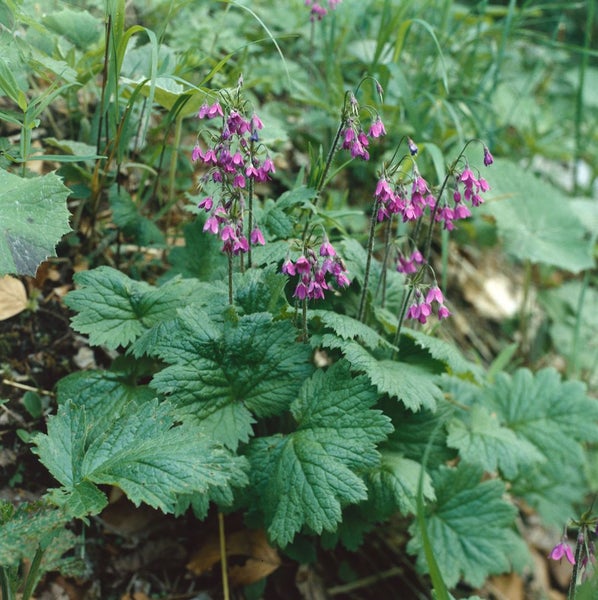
(305, 478)
(553, 415)
(412, 384)
(34, 219)
(137, 448)
(470, 526)
(413, 432)
(223, 373)
(534, 220)
(349, 328)
(114, 310)
(556, 489)
(393, 485)
(79, 27)
(443, 351)
(481, 440)
(260, 290)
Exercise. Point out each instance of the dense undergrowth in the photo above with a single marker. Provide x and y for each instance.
(269, 209)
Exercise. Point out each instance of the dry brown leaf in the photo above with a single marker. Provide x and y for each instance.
(507, 587)
(261, 558)
(13, 297)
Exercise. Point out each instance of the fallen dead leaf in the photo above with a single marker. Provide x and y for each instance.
(13, 297)
(261, 558)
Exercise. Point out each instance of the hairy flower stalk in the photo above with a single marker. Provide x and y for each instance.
(233, 161)
(408, 196)
(351, 136)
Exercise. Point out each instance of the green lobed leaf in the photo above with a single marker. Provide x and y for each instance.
(305, 478)
(138, 449)
(349, 328)
(260, 290)
(443, 351)
(555, 488)
(114, 310)
(412, 384)
(553, 415)
(414, 432)
(470, 525)
(225, 372)
(34, 219)
(79, 27)
(481, 440)
(534, 220)
(393, 485)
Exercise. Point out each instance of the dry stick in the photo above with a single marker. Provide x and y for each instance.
(223, 561)
(365, 582)
(28, 388)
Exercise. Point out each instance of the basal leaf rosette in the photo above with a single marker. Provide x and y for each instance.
(140, 447)
(304, 479)
(226, 373)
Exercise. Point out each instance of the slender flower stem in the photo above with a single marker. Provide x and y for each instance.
(382, 281)
(401, 316)
(428, 243)
(368, 262)
(573, 583)
(304, 319)
(250, 219)
(230, 277)
(322, 177)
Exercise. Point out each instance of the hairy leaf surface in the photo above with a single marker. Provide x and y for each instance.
(114, 309)
(305, 478)
(227, 372)
(135, 447)
(470, 525)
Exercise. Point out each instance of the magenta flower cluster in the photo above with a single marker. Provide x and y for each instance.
(409, 264)
(317, 11)
(315, 272)
(468, 188)
(231, 161)
(422, 308)
(397, 200)
(353, 136)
